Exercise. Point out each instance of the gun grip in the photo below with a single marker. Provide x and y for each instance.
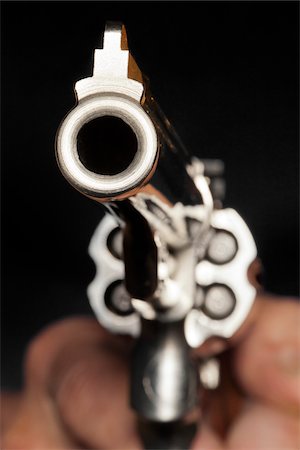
(164, 379)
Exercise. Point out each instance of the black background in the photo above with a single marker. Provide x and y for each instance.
(226, 75)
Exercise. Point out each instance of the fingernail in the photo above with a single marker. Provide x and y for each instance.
(289, 360)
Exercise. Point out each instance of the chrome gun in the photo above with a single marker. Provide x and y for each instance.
(172, 266)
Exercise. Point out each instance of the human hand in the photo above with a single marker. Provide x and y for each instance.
(76, 388)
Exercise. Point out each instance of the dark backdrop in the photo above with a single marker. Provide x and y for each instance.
(226, 74)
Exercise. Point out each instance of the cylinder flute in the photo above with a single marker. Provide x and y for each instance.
(172, 264)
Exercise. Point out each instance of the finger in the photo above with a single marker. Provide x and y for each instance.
(37, 426)
(46, 346)
(85, 371)
(262, 427)
(267, 361)
(207, 439)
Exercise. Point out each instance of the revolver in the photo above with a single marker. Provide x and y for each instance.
(172, 265)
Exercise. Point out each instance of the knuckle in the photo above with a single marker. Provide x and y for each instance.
(45, 347)
(78, 386)
(35, 358)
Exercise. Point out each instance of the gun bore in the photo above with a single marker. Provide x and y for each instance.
(106, 145)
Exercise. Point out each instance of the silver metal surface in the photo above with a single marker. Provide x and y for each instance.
(199, 326)
(228, 280)
(164, 381)
(175, 271)
(110, 92)
(209, 373)
(98, 185)
(109, 269)
(222, 247)
(219, 302)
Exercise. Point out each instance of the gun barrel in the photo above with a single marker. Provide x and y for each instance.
(107, 146)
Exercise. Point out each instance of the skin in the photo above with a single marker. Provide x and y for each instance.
(75, 394)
